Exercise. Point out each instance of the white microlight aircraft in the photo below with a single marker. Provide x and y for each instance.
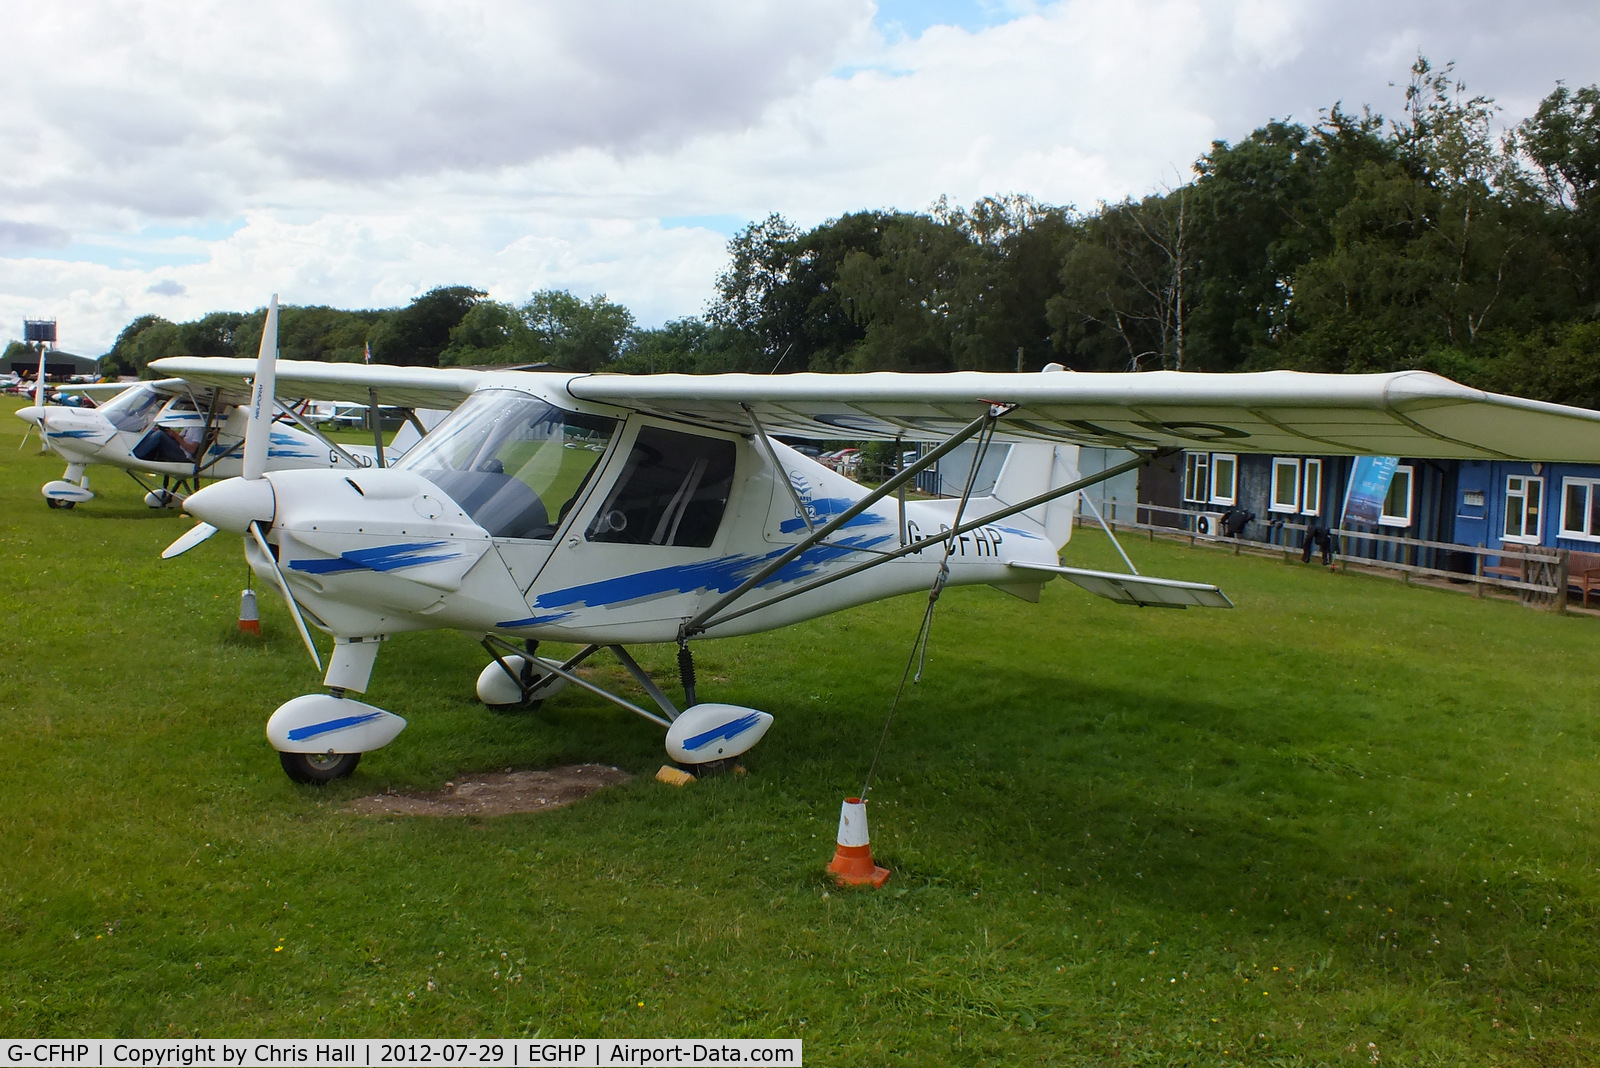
(180, 433)
(611, 510)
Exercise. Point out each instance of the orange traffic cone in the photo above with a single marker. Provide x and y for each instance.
(249, 620)
(852, 859)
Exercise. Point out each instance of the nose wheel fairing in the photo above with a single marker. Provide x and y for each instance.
(330, 724)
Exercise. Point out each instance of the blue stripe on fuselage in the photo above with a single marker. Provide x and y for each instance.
(721, 576)
(825, 508)
(381, 558)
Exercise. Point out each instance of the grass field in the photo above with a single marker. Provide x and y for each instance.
(1348, 822)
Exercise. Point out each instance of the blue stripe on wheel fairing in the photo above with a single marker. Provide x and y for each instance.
(300, 734)
(727, 730)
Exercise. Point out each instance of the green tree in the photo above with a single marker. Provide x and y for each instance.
(417, 334)
(781, 290)
(147, 338)
(916, 297)
(688, 346)
(1127, 287)
(574, 334)
(490, 333)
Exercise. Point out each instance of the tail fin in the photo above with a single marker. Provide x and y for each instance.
(1032, 468)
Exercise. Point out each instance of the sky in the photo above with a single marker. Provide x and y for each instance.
(178, 157)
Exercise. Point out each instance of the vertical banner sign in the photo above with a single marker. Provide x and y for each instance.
(1369, 487)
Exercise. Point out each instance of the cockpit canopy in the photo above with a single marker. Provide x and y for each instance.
(134, 409)
(514, 463)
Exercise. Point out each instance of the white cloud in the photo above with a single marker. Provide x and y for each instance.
(180, 158)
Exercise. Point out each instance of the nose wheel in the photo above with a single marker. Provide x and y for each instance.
(318, 768)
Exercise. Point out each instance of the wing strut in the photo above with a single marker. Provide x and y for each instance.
(320, 436)
(778, 470)
(375, 414)
(1107, 528)
(696, 625)
(703, 622)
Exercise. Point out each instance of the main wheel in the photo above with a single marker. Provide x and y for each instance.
(54, 503)
(318, 768)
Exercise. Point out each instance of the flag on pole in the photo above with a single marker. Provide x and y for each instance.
(368, 357)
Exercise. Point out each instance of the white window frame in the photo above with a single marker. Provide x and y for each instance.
(1285, 467)
(1311, 487)
(1196, 477)
(1389, 519)
(1590, 486)
(1232, 460)
(1525, 538)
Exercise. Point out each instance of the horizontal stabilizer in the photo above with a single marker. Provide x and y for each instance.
(1138, 589)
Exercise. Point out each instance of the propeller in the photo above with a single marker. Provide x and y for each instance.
(288, 595)
(245, 504)
(258, 435)
(257, 439)
(188, 540)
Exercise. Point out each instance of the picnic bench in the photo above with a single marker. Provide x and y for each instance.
(1583, 573)
(1536, 563)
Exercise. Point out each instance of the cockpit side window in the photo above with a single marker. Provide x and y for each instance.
(672, 491)
(134, 409)
(515, 464)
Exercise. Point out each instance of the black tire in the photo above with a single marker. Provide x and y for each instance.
(318, 768)
(52, 502)
(516, 709)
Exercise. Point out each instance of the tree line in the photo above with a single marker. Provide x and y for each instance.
(1352, 243)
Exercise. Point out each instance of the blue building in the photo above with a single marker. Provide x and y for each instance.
(1489, 503)
(1503, 502)
(1281, 493)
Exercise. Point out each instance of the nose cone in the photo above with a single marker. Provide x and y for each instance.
(33, 413)
(234, 503)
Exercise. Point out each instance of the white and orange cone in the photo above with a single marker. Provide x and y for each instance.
(249, 619)
(852, 863)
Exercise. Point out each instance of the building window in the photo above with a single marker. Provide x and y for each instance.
(1224, 466)
(1397, 506)
(1196, 477)
(1580, 514)
(1312, 503)
(1524, 501)
(1285, 485)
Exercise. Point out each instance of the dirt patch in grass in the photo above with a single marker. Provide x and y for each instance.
(497, 793)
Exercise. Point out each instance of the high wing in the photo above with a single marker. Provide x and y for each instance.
(406, 387)
(1409, 413)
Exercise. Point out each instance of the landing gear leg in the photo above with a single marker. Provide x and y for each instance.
(520, 681)
(68, 490)
(686, 674)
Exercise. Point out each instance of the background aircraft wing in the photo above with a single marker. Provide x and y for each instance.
(100, 391)
(1409, 413)
(407, 387)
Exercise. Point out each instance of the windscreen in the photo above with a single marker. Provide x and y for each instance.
(515, 464)
(134, 409)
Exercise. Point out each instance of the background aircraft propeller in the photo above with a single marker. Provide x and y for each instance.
(38, 403)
